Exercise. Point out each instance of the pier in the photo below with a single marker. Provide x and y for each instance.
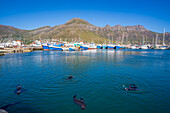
(19, 50)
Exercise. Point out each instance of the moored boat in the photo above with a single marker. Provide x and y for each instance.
(144, 47)
(92, 46)
(65, 49)
(1, 46)
(119, 47)
(88, 46)
(134, 47)
(104, 46)
(99, 46)
(54, 47)
(110, 46)
(163, 47)
(84, 47)
(45, 46)
(71, 49)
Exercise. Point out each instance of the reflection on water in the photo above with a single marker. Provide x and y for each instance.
(99, 77)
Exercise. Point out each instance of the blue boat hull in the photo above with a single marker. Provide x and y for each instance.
(104, 47)
(119, 47)
(55, 49)
(84, 48)
(71, 49)
(99, 47)
(45, 47)
(110, 47)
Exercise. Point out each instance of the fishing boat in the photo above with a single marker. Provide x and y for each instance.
(144, 47)
(78, 44)
(73, 47)
(45, 46)
(65, 49)
(99, 46)
(88, 46)
(69, 47)
(1, 45)
(110, 46)
(36, 43)
(55, 47)
(163, 47)
(104, 46)
(119, 47)
(84, 47)
(134, 47)
(92, 46)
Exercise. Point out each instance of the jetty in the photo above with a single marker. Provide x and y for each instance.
(1, 54)
(19, 50)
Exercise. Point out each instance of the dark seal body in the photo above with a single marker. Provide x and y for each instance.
(132, 87)
(79, 102)
(70, 77)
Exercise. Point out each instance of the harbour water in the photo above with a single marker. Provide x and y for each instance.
(99, 78)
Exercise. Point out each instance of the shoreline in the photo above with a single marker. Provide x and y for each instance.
(19, 50)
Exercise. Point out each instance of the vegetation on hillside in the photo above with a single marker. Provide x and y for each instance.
(78, 29)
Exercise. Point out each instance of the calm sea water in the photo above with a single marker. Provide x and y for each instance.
(99, 80)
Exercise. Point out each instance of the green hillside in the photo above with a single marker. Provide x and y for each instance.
(78, 29)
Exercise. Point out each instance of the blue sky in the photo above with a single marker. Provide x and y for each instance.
(30, 14)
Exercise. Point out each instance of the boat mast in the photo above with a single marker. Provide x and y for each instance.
(143, 40)
(112, 39)
(153, 41)
(164, 37)
(156, 40)
(146, 41)
(119, 39)
(122, 39)
(109, 38)
(126, 40)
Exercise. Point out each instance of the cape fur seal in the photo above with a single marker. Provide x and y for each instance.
(79, 102)
(132, 87)
(4, 108)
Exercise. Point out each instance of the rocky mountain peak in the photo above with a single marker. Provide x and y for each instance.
(77, 21)
(107, 25)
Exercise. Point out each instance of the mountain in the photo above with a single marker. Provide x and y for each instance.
(6, 31)
(79, 29)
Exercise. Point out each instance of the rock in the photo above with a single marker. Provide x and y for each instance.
(3, 111)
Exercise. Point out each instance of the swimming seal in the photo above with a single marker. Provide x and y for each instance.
(70, 77)
(19, 87)
(132, 87)
(79, 102)
(19, 90)
(4, 108)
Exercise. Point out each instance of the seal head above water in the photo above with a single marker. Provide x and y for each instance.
(132, 87)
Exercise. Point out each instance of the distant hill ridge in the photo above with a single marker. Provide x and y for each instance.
(79, 29)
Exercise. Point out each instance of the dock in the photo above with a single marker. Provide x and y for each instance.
(1, 54)
(19, 50)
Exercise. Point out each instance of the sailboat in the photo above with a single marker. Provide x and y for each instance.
(163, 42)
(110, 46)
(143, 45)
